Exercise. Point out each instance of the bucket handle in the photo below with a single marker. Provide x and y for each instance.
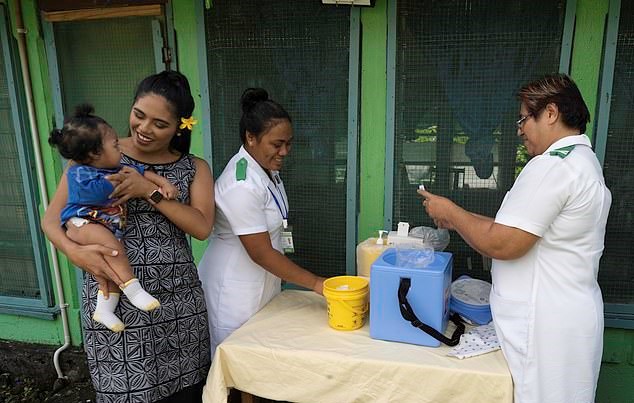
(408, 314)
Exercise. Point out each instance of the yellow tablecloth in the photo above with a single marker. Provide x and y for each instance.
(288, 352)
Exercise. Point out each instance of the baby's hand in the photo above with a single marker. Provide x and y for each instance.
(169, 191)
(113, 181)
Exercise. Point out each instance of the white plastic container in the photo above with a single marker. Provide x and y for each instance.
(367, 252)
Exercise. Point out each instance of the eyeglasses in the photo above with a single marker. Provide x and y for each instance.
(521, 120)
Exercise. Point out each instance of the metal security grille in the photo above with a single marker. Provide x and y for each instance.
(616, 274)
(459, 64)
(18, 268)
(101, 61)
(299, 54)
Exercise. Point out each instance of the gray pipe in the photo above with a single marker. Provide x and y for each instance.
(35, 139)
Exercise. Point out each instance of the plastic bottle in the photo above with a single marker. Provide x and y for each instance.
(368, 251)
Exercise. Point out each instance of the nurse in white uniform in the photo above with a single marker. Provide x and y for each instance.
(244, 264)
(546, 241)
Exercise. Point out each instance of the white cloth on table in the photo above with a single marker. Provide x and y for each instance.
(477, 341)
(288, 352)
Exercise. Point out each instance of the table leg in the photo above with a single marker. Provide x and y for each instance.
(247, 397)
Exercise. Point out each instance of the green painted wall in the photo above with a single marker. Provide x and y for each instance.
(189, 45)
(33, 330)
(50, 331)
(587, 46)
(26, 328)
(373, 118)
(42, 96)
(617, 368)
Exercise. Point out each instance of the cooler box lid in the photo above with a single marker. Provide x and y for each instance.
(470, 299)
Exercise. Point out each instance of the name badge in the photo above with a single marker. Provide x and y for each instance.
(287, 240)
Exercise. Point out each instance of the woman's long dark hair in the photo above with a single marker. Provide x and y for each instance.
(174, 87)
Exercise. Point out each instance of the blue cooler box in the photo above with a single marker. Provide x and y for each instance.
(428, 295)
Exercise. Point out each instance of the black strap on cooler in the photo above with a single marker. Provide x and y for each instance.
(408, 314)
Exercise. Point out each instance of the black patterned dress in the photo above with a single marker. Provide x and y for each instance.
(166, 350)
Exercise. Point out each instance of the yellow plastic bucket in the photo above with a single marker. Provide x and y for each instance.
(347, 298)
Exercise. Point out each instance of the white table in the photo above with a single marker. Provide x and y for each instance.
(288, 352)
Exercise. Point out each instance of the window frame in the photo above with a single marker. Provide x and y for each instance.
(388, 206)
(42, 307)
(616, 315)
(353, 128)
(162, 28)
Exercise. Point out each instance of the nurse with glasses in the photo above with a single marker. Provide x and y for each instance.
(546, 241)
(521, 120)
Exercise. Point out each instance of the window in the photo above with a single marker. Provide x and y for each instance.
(616, 274)
(98, 62)
(300, 55)
(24, 282)
(459, 64)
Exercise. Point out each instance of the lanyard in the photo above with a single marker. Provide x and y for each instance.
(283, 212)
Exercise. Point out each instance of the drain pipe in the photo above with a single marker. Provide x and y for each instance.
(21, 36)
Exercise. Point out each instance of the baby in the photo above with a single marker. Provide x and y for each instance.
(93, 148)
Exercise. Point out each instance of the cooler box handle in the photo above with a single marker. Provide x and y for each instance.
(408, 314)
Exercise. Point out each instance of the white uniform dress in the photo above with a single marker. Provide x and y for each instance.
(235, 286)
(547, 306)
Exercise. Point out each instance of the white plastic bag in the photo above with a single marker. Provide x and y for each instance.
(438, 239)
(414, 258)
(413, 253)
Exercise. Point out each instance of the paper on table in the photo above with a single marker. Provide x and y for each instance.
(477, 341)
